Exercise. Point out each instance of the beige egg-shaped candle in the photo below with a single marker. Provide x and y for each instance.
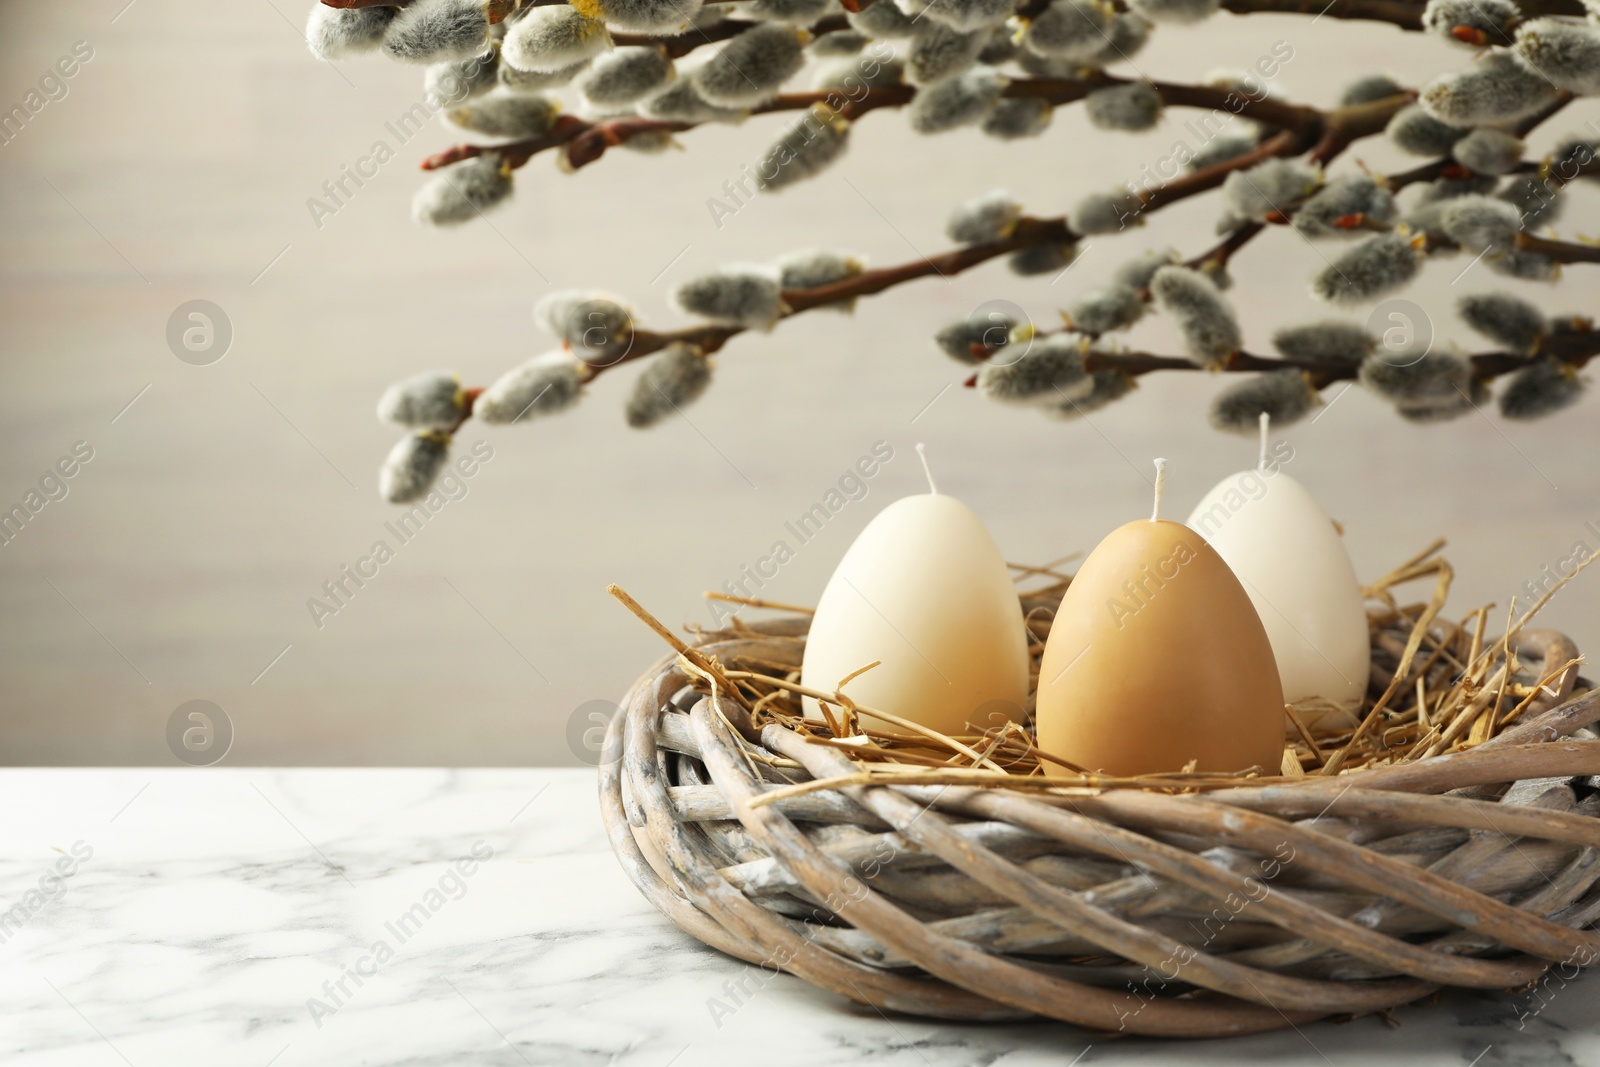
(925, 592)
(1292, 562)
(1156, 658)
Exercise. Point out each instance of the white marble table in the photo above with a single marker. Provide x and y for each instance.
(212, 915)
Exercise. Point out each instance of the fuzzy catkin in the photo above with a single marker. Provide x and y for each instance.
(543, 385)
(625, 75)
(1001, 47)
(681, 102)
(1335, 342)
(459, 80)
(335, 33)
(839, 44)
(938, 52)
(1106, 387)
(1269, 187)
(432, 400)
(590, 323)
(752, 67)
(1479, 223)
(1489, 151)
(1497, 88)
(648, 16)
(1050, 370)
(1285, 396)
(1136, 273)
(881, 21)
(1491, 18)
(1101, 311)
(1127, 37)
(990, 217)
(1369, 89)
(797, 12)
(1133, 107)
(1416, 131)
(1047, 258)
(435, 31)
(809, 146)
(1175, 12)
(1464, 400)
(969, 14)
(812, 268)
(990, 332)
(531, 81)
(1341, 198)
(1529, 266)
(674, 379)
(736, 295)
(412, 466)
(1453, 188)
(1037, 66)
(1100, 213)
(1537, 201)
(1209, 327)
(1016, 117)
(462, 192)
(1376, 266)
(867, 71)
(954, 102)
(511, 115)
(1506, 319)
(1075, 30)
(1571, 155)
(1541, 389)
(1433, 378)
(1223, 148)
(1567, 53)
(552, 38)
(1051, 257)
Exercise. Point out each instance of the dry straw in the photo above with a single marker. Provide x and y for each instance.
(1447, 838)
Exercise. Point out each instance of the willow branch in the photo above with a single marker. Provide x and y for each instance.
(1338, 138)
(1560, 251)
(1405, 14)
(1402, 13)
(678, 45)
(1576, 349)
(585, 142)
(710, 337)
(1323, 134)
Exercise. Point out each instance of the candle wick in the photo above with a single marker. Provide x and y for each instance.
(922, 450)
(1266, 423)
(1161, 487)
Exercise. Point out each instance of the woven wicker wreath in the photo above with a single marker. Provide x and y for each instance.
(1463, 855)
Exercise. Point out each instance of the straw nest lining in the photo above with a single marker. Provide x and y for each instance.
(1449, 838)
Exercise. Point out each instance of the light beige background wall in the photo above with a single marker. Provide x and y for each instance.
(179, 565)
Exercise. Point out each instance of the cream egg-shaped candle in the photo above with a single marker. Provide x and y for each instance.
(925, 592)
(1290, 558)
(1156, 660)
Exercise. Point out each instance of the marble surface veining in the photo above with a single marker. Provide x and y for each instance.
(261, 917)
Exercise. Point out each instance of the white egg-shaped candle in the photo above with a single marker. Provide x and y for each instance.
(1290, 558)
(925, 592)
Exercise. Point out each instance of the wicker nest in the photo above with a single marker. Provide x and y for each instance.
(1449, 838)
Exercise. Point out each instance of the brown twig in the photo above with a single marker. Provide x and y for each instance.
(1560, 251)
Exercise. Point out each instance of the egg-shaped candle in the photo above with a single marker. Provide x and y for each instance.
(1291, 560)
(925, 592)
(1156, 660)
